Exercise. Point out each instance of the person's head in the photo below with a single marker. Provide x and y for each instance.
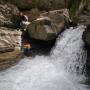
(20, 14)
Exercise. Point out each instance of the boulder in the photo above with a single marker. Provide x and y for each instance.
(58, 17)
(40, 4)
(42, 29)
(48, 25)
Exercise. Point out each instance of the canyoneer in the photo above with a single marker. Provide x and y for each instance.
(24, 21)
(27, 48)
(23, 27)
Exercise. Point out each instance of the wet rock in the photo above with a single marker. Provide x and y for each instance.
(84, 17)
(76, 9)
(42, 29)
(86, 36)
(48, 25)
(84, 20)
(80, 12)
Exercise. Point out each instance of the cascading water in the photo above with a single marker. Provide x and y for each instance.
(54, 72)
(70, 50)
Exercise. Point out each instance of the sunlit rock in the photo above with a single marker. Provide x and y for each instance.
(10, 47)
(10, 38)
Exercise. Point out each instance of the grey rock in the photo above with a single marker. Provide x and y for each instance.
(48, 25)
(86, 37)
(42, 29)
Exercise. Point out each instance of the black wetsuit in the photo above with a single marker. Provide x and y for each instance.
(16, 19)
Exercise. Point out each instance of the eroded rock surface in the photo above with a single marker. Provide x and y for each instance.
(9, 38)
(6, 13)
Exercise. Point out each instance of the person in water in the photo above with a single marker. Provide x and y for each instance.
(23, 22)
(27, 48)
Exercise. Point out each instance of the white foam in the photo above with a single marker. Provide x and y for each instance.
(54, 72)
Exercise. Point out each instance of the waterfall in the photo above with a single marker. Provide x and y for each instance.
(54, 72)
(69, 49)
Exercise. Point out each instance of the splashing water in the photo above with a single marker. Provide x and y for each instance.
(54, 72)
(70, 50)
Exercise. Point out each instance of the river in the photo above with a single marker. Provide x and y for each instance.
(63, 69)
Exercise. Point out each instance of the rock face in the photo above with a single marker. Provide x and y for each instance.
(84, 17)
(40, 4)
(86, 36)
(48, 25)
(80, 11)
(9, 40)
(8, 59)
(75, 7)
(32, 14)
(6, 13)
(10, 45)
